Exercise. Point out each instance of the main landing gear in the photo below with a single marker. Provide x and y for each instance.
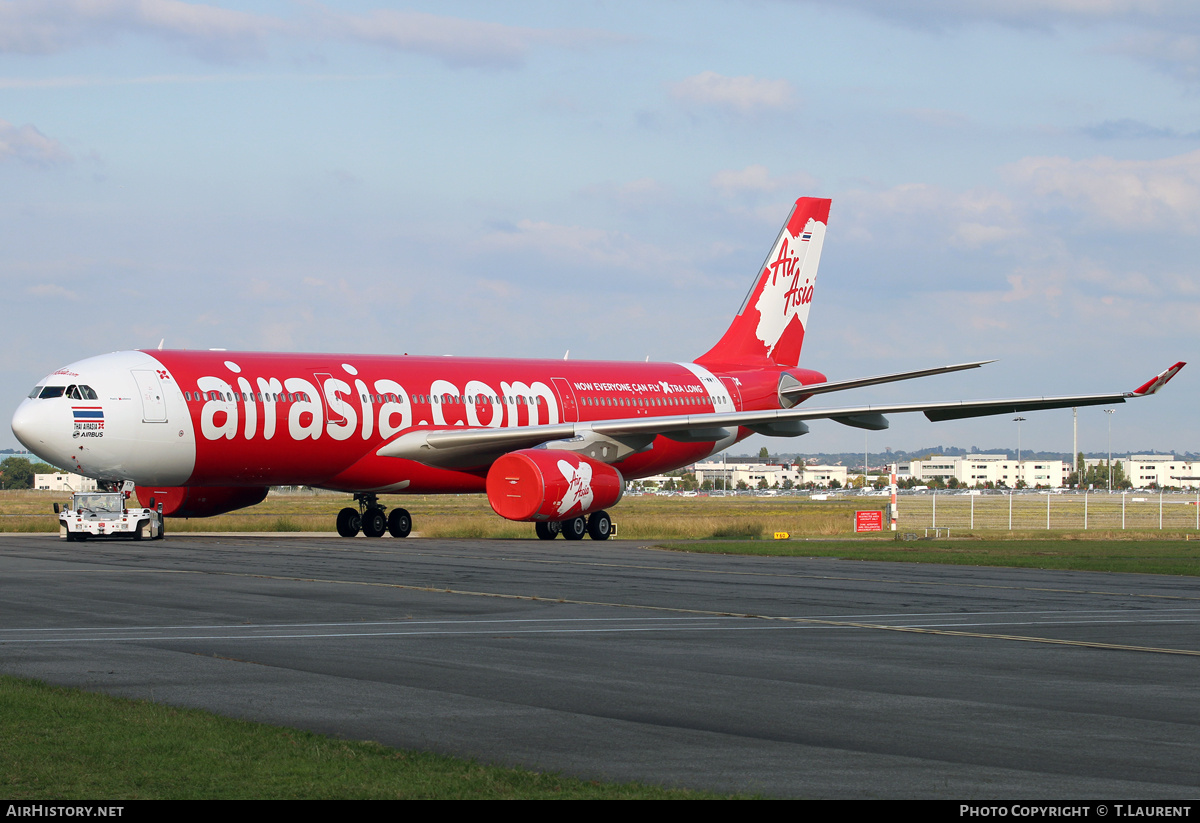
(599, 525)
(371, 520)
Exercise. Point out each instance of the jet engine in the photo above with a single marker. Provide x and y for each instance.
(551, 485)
(200, 501)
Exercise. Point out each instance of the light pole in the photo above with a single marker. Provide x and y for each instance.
(1109, 412)
(1018, 421)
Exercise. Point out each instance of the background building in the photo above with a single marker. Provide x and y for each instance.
(774, 476)
(1160, 470)
(64, 482)
(981, 469)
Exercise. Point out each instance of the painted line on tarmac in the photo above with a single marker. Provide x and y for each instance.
(712, 613)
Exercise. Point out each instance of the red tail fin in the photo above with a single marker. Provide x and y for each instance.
(770, 325)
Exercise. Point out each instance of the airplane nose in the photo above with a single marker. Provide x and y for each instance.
(40, 430)
(29, 427)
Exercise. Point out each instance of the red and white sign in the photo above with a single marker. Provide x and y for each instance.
(868, 521)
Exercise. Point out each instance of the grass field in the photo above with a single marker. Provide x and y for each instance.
(681, 518)
(1134, 511)
(65, 744)
(1098, 554)
(698, 518)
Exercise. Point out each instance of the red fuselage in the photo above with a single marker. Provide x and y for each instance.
(274, 419)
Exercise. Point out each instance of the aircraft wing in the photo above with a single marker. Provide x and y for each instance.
(472, 448)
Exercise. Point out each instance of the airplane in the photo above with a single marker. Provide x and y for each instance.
(551, 442)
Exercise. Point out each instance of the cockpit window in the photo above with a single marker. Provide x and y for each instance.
(36, 391)
(52, 391)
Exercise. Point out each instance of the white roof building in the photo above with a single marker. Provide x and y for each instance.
(980, 469)
(728, 476)
(64, 482)
(1160, 470)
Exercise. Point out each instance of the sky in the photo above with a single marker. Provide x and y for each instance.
(1011, 179)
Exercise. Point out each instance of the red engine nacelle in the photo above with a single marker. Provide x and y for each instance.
(200, 501)
(551, 485)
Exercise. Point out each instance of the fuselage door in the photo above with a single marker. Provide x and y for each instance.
(154, 405)
(566, 400)
(735, 393)
(333, 410)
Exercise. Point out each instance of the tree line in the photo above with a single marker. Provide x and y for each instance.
(18, 472)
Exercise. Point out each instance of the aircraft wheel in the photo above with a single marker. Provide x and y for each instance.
(374, 522)
(547, 531)
(348, 522)
(599, 525)
(399, 523)
(574, 529)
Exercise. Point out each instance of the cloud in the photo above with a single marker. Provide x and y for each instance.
(938, 118)
(51, 290)
(922, 214)
(574, 244)
(1162, 193)
(1174, 53)
(456, 41)
(27, 145)
(757, 179)
(1163, 34)
(50, 26)
(1128, 129)
(1023, 13)
(744, 95)
(215, 33)
(637, 195)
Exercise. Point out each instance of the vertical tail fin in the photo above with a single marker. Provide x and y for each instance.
(770, 325)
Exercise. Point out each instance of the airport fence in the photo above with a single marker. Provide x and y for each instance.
(1026, 511)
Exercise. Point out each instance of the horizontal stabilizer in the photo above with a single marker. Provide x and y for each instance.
(794, 390)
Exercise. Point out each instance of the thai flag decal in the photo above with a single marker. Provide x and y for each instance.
(88, 414)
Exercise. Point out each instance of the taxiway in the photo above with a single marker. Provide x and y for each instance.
(781, 676)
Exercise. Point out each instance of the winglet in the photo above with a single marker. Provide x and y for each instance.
(1154, 384)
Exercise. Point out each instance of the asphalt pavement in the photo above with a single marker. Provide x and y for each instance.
(798, 677)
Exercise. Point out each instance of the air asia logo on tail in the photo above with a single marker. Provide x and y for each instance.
(579, 486)
(787, 291)
(772, 321)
